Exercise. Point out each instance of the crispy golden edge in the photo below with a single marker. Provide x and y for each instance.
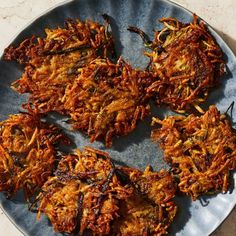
(200, 149)
(27, 153)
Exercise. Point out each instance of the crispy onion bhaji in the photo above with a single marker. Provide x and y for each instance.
(27, 153)
(150, 210)
(84, 194)
(52, 63)
(107, 99)
(200, 149)
(187, 63)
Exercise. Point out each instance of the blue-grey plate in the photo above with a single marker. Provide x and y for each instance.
(194, 218)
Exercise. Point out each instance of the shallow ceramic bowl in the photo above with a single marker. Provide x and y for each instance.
(193, 218)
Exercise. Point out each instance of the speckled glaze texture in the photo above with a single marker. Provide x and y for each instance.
(194, 218)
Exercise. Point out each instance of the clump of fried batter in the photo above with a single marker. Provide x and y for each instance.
(107, 99)
(151, 209)
(89, 194)
(52, 63)
(27, 153)
(200, 149)
(187, 63)
(158, 186)
(84, 194)
(139, 217)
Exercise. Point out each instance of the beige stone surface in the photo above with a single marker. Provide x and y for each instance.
(220, 14)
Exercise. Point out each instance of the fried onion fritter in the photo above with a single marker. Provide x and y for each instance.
(151, 209)
(200, 149)
(107, 99)
(84, 194)
(52, 63)
(187, 63)
(27, 153)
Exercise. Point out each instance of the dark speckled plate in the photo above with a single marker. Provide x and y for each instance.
(194, 218)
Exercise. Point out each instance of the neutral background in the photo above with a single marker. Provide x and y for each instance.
(15, 14)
